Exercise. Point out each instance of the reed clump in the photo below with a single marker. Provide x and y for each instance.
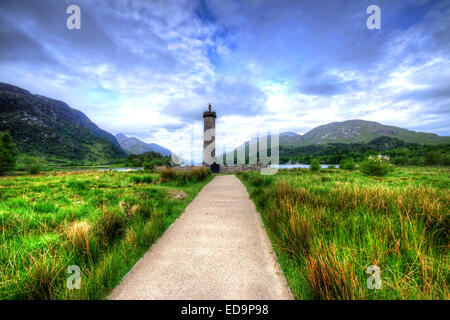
(184, 177)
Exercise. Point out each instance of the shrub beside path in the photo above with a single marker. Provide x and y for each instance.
(217, 249)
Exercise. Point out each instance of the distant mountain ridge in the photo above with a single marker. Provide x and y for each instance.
(135, 146)
(285, 137)
(50, 128)
(353, 131)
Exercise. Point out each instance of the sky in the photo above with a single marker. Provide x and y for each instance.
(149, 69)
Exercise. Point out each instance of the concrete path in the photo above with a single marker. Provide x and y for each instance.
(217, 249)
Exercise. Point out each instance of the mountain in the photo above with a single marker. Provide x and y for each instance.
(51, 129)
(339, 135)
(353, 131)
(135, 146)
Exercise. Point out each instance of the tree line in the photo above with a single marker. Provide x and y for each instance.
(147, 160)
(400, 152)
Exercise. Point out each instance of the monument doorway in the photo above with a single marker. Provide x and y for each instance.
(215, 168)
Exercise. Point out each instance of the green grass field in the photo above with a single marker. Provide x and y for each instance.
(101, 222)
(328, 227)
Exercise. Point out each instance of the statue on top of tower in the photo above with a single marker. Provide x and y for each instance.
(209, 107)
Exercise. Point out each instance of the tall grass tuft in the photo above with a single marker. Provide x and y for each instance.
(330, 277)
(110, 226)
(42, 277)
(141, 178)
(168, 174)
(79, 237)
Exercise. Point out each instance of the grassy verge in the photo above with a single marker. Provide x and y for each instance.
(328, 227)
(102, 222)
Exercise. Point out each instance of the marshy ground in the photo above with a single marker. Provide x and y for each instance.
(102, 222)
(328, 227)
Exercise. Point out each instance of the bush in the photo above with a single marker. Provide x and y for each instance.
(32, 165)
(347, 164)
(315, 165)
(375, 168)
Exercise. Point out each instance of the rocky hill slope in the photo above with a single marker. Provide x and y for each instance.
(50, 128)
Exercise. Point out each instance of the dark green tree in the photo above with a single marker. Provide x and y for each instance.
(347, 164)
(8, 153)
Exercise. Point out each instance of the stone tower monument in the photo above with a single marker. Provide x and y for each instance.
(209, 137)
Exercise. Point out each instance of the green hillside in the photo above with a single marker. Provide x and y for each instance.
(51, 129)
(354, 131)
